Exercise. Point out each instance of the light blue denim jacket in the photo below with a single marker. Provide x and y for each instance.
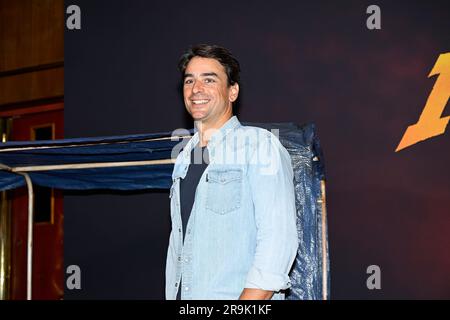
(242, 229)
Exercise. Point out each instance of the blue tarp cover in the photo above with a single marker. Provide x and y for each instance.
(91, 150)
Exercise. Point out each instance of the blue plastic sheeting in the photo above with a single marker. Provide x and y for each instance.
(300, 141)
(307, 276)
(91, 150)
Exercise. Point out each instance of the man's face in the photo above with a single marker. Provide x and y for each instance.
(207, 96)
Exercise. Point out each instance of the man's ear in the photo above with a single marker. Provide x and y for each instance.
(234, 92)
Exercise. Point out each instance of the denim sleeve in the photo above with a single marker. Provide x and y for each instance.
(270, 176)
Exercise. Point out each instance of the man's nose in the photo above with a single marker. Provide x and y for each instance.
(197, 87)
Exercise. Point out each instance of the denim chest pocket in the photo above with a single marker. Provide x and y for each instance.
(224, 191)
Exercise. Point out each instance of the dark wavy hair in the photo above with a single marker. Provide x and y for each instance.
(222, 55)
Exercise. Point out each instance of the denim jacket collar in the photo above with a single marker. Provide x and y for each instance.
(219, 136)
(182, 164)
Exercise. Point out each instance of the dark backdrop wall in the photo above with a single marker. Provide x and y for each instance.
(301, 62)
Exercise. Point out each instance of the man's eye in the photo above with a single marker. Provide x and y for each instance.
(209, 80)
(188, 81)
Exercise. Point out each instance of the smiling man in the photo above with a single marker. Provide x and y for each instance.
(233, 209)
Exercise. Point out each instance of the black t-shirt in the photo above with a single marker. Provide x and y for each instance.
(188, 186)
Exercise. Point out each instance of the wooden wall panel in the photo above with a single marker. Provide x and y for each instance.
(31, 33)
(31, 50)
(32, 86)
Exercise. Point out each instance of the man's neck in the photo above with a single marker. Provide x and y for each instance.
(206, 130)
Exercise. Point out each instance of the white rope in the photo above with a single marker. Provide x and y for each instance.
(89, 144)
(91, 165)
(5, 167)
(30, 234)
(324, 243)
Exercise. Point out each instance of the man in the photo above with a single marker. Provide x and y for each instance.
(233, 208)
